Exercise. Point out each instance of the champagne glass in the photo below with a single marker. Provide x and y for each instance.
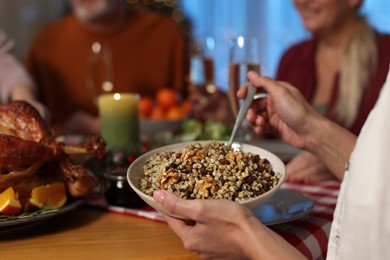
(100, 71)
(244, 57)
(202, 66)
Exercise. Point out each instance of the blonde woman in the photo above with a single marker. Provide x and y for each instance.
(340, 70)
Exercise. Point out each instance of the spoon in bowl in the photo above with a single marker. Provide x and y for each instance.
(242, 112)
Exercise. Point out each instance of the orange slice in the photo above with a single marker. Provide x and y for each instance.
(9, 203)
(52, 196)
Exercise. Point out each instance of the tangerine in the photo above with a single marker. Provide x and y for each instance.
(166, 98)
(175, 113)
(158, 113)
(9, 203)
(52, 196)
(145, 106)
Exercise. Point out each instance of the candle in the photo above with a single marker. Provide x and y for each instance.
(119, 122)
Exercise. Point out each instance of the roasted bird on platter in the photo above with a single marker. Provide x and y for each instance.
(30, 156)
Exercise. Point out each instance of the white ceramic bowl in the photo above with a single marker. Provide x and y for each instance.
(152, 128)
(135, 173)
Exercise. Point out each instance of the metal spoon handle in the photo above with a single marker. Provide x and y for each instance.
(242, 112)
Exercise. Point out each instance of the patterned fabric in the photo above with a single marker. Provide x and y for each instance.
(310, 234)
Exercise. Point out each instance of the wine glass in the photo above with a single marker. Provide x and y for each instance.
(244, 57)
(100, 71)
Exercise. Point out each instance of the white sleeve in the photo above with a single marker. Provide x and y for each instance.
(12, 72)
(361, 226)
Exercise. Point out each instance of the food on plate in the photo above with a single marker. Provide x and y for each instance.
(194, 130)
(52, 196)
(209, 170)
(165, 105)
(216, 130)
(9, 202)
(30, 156)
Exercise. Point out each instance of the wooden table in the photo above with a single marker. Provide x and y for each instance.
(89, 233)
(92, 233)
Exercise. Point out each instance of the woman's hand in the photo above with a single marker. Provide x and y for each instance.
(222, 229)
(215, 228)
(307, 168)
(284, 111)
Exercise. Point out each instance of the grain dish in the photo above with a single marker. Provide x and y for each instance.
(209, 170)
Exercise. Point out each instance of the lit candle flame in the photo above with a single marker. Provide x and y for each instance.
(117, 96)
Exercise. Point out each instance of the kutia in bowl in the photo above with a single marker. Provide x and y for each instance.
(208, 170)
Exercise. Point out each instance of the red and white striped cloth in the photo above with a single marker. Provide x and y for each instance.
(309, 234)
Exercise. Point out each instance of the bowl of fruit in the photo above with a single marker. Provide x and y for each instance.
(162, 113)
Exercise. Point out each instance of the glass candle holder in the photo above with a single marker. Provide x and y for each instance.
(119, 192)
(119, 122)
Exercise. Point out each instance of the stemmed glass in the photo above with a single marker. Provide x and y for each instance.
(100, 71)
(202, 65)
(244, 57)
(202, 86)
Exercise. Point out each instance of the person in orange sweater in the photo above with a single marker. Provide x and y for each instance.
(147, 51)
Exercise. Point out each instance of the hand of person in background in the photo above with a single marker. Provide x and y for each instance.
(81, 122)
(307, 168)
(21, 92)
(15, 82)
(210, 103)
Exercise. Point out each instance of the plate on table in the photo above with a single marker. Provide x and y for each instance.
(284, 206)
(11, 224)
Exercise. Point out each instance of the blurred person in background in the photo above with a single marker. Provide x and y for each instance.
(208, 101)
(147, 51)
(340, 71)
(213, 105)
(15, 83)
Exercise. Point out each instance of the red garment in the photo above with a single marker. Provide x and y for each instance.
(297, 67)
(148, 52)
